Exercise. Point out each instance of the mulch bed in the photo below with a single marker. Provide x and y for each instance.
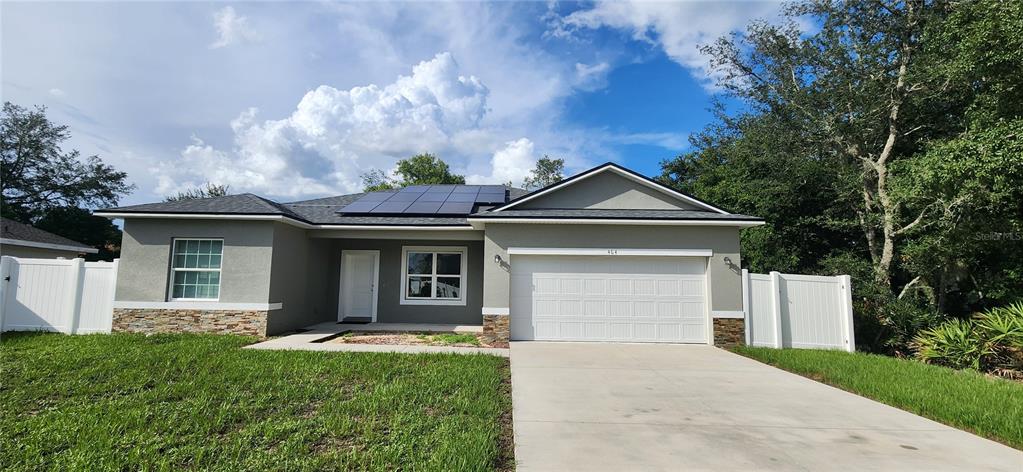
(404, 339)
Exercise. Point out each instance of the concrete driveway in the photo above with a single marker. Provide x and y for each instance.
(589, 406)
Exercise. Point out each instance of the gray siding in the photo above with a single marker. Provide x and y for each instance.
(725, 276)
(607, 191)
(145, 258)
(389, 308)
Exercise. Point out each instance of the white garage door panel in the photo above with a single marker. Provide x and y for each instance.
(610, 298)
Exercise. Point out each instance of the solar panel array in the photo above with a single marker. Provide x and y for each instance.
(428, 200)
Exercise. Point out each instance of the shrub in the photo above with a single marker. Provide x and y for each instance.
(954, 343)
(990, 342)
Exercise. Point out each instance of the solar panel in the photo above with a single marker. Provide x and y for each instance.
(462, 197)
(456, 208)
(391, 207)
(423, 208)
(427, 200)
(433, 197)
(484, 197)
(360, 207)
(405, 197)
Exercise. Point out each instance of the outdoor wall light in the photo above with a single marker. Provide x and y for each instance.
(497, 259)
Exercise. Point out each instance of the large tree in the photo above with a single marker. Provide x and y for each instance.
(81, 225)
(421, 169)
(884, 142)
(207, 190)
(547, 172)
(37, 174)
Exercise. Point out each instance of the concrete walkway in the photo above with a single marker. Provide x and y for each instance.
(581, 406)
(311, 340)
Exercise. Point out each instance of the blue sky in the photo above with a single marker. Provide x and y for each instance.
(297, 100)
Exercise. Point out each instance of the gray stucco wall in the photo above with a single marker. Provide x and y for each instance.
(389, 308)
(36, 252)
(145, 258)
(289, 280)
(607, 191)
(725, 277)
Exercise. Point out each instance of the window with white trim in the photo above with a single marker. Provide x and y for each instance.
(433, 275)
(195, 269)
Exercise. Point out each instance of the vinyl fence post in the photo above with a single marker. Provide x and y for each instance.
(113, 295)
(746, 308)
(845, 282)
(77, 276)
(776, 307)
(5, 280)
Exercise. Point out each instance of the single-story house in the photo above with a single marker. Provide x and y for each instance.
(22, 240)
(605, 255)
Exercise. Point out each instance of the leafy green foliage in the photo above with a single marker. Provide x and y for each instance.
(987, 406)
(990, 342)
(80, 225)
(421, 169)
(38, 175)
(885, 144)
(547, 172)
(169, 402)
(207, 190)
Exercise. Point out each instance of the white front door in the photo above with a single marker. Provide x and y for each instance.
(358, 294)
(609, 298)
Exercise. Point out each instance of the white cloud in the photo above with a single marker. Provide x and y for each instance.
(56, 92)
(333, 136)
(591, 77)
(231, 28)
(679, 28)
(512, 164)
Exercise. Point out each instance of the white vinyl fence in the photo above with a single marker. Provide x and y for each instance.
(66, 295)
(800, 311)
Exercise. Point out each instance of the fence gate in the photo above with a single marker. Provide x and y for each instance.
(800, 311)
(64, 295)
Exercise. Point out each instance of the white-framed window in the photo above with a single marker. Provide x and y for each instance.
(434, 275)
(195, 269)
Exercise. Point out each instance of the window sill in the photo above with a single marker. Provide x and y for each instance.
(405, 301)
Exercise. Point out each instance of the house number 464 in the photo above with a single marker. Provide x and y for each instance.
(612, 252)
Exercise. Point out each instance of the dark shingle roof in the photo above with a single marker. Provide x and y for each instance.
(10, 229)
(616, 214)
(241, 204)
(324, 211)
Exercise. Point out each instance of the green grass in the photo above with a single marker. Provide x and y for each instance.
(987, 406)
(130, 402)
(451, 338)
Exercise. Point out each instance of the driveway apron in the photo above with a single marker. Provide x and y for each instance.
(596, 406)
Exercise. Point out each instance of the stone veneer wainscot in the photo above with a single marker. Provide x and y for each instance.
(496, 329)
(729, 332)
(163, 320)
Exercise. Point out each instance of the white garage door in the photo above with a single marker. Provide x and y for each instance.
(609, 298)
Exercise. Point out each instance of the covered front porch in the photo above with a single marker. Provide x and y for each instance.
(316, 338)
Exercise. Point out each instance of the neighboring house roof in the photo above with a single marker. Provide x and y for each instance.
(324, 211)
(21, 234)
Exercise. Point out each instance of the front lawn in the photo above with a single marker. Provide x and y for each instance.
(987, 406)
(130, 402)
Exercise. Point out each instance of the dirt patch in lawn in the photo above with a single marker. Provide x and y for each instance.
(412, 339)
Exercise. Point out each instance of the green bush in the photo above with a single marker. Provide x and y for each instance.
(990, 342)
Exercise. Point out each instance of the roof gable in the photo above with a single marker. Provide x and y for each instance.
(609, 187)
